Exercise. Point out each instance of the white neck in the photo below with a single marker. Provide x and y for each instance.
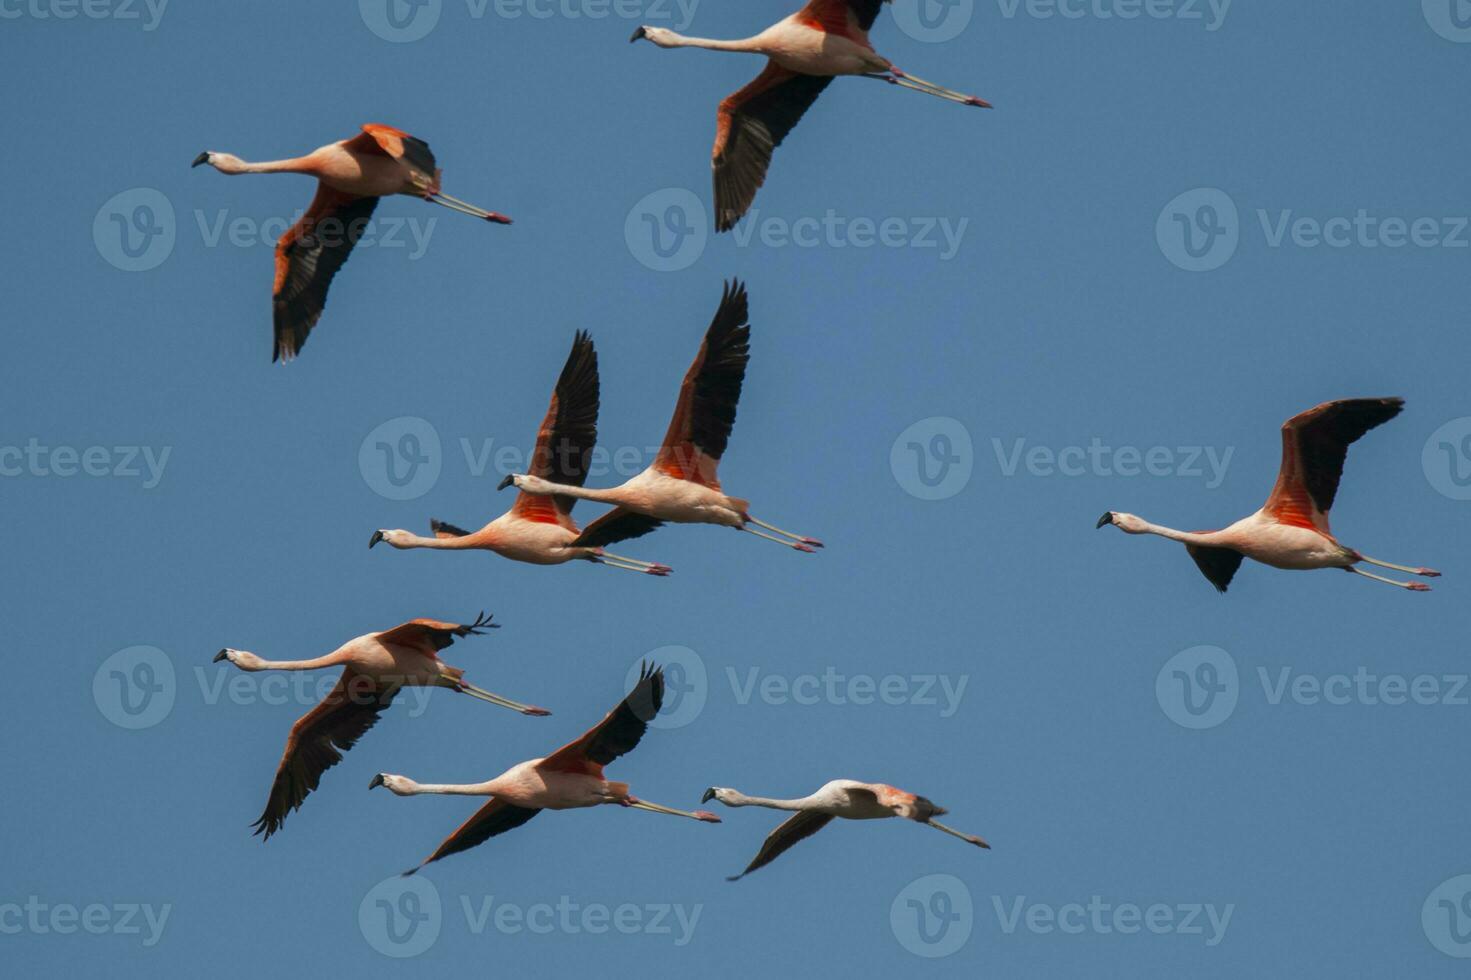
(334, 659)
(673, 40)
(445, 544)
(736, 798)
(1205, 538)
(234, 165)
(487, 788)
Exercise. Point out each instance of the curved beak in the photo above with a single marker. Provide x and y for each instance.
(222, 655)
(376, 782)
(1107, 518)
(708, 796)
(510, 479)
(377, 536)
(202, 158)
(638, 35)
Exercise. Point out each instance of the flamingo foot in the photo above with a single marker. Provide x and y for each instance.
(1427, 572)
(660, 570)
(1417, 586)
(535, 711)
(499, 219)
(706, 816)
(813, 542)
(805, 548)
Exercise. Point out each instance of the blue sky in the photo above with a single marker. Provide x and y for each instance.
(1031, 304)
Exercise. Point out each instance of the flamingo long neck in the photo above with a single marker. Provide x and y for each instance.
(613, 495)
(294, 165)
(737, 798)
(748, 44)
(334, 659)
(461, 543)
(487, 788)
(1207, 539)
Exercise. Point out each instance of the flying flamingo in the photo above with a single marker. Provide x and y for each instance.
(846, 798)
(805, 52)
(1291, 529)
(375, 667)
(681, 485)
(351, 175)
(569, 778)
(536, 529)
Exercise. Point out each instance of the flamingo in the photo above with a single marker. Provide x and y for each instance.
(846, 798)
(540, 530)
(351, 175)
(568, 779)
(681, 486)
(375, 667)
(1291, 529)
(804, 53)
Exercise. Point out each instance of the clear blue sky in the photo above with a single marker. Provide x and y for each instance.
(1059, 319)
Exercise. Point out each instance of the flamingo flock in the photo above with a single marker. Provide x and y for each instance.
(682, 483)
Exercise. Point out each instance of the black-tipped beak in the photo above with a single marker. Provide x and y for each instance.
(638, 35)
(202, 158)
(506, 482)
(709, 795)
(222, 655)
(376, 782)
(1107, 518)
(377, 536)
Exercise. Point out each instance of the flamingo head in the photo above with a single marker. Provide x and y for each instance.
(661, 36)
(1127, 523)
(243, 659)
(717, 793)
(225, 163)
(395, 539)
(397, 785)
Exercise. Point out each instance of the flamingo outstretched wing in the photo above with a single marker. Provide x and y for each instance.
(491, 820)
(749, 125)
(565, 441)
(1314, 446)
(846, 17)
(308, 256)
(387, 141)
(317, 741)
(798, 827)
(431, 635)
(616, 525)
(706, 409)
(617, 733)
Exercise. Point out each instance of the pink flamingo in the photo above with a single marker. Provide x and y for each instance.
(568, 779)
(1291, 529)
(375, 667)
(351, 175)
(804, 53)
(540, 530)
